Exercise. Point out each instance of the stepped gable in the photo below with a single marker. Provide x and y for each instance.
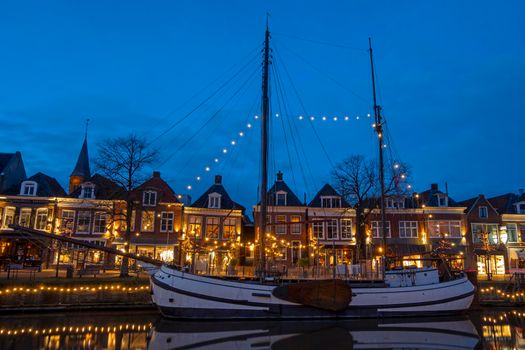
(327, 191)
(226, 201)
(155, 183)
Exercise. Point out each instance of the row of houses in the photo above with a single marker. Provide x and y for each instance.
(214, 231)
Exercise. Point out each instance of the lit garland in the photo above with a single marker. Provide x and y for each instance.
(502, 295)
(82, 289)
(77, 329)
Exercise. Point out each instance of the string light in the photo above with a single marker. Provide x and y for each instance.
(78, 289)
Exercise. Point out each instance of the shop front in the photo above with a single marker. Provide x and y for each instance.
(491, 263)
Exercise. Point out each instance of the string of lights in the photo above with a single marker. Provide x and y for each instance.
(79, 289)
(77, 329)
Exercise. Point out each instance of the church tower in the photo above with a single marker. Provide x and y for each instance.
(81, 172)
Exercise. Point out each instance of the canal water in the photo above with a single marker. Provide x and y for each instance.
(489, 329)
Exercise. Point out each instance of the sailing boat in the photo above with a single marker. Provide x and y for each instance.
(181, 294)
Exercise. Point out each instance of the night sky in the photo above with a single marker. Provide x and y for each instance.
(450, 81)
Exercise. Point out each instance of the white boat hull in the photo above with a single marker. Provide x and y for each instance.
(180, 294)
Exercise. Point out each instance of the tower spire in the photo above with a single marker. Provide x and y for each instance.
(81, 172)
(86, 131)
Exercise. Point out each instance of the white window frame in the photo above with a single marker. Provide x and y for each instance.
(8, 210)
(520, 207)
(82, 215)
(281, 193)
(280, 224)
(484, 209)
(395, 203)
(67, 221)
(330, 202)
(41, 224)
(332, 224)
(377, 232)
(149, 198)
(316, 225)
(25, 213)
(515, 229)
(100, 217)
(167, 219)
(28, 188)
(214, 201)
(442, 196)
(346, 229)
(408, 229)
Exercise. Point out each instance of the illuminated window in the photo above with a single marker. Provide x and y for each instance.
(25, 217)
(147, 223)
(512, 233)
(149, 198)
(41, 219)
(480, 231)
(67, 221)
(166, 221)
(194, 225)
(408, 229)
(444, 229)
(377, 231)
(229, 228)
(212, 227)
(295, 228)
(100, 222)
(9, 217)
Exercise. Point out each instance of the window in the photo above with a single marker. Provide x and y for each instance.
(280, 227)
(395, 203)
(483, 213)
(132, 220)
(408, 229)
(149, 198)
(229, 228)
(67, 221)
(442, 229)
(318, 229)
(296, 251)
(25, 217)
(28, 188)
(83, 222)
(147, 223)
(280, 198)
(100, 222)
(41, 219)
(269, 228)
(295, 228)
(346, 229)
(487, 232)
(214, 200)
(331, 229)
(194, 225)
(522, 232)
(331, 202)
(512, 233)
(520, 208)
(212, 227)
(9, 216)
(87, 191)
(166, 221)
(442, 200)
(377, 231)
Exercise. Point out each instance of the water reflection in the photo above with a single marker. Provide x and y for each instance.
(499, 329)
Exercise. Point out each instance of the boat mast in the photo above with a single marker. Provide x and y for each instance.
(264, 151)
(379, 129)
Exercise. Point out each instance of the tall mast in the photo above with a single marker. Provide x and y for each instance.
(264, 150)
(379, 129)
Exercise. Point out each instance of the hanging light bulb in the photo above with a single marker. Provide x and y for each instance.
(300, 117)
(396, 166)
(224, 150)
(241, 134)
(256, 117)
(188, 187)
(198, 178)
(346, 118)
(374, 125)
(207, 168)
(312, 118)
(368, 115)
(277, 115)
(335, 119)
(248, 125)
(216, 160)
(233, 142)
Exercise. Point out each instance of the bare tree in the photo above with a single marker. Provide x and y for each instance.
(123, 160)
(357, 180)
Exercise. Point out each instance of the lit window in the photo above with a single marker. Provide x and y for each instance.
(67, 221)
(212, 227)
(229, 228)
(100, 222)
(148, 221)
(442, 229)
(28, 188)
(296, 251)
(483, 212)
(149, 198)
(166, 221)
(83, 222)
(25, 217)
(295, 228)
(9, 217)
(346, 229)
(194, 225)
(41, 219)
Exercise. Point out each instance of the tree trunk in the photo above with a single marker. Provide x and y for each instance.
(360, 234)
(124, 267)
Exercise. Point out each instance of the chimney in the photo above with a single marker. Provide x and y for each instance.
(156, 174)
(434, 187)
(279, 176)
(218, 179)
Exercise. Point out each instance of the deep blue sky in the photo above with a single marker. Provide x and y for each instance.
(450, 82)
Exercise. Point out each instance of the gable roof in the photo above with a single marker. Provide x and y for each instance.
(47, 186)
(12, 170)
(504, 203)
(226, 201)
(104, 188)
(165, 193)
(327, 190)
(82, 166)
(472, 202)
(280, 186)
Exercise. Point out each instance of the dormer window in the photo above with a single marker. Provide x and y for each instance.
(87, 191)
(149, 198)
(280, 198)
(331, 202)
(28, 188)
(214, 201)
(442, 200)
(395, 203)
(520, 208)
